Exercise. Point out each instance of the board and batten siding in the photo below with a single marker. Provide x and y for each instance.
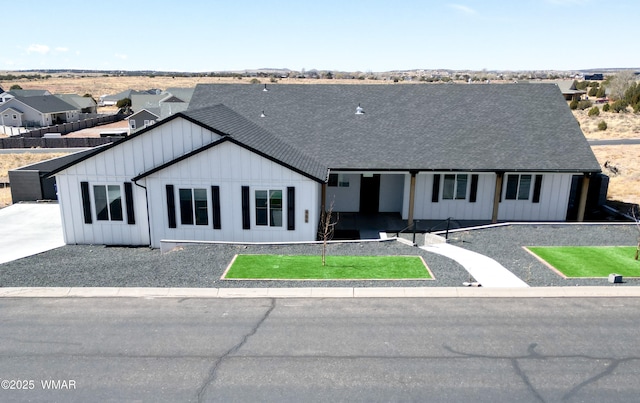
(347, 199)
(118, 165)
(554, 198)
(426, 209)
(230, 167)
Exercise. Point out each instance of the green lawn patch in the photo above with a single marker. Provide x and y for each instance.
(590, 261)
(307, 267)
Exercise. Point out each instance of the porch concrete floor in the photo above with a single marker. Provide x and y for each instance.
(369, 226)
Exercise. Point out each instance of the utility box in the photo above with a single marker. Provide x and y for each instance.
(615, 278)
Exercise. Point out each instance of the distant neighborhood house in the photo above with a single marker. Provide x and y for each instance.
(38, 111)
(246, 163)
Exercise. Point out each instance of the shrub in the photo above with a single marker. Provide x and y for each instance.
(582, 105)
(601, 92)
(254, 81)
(595, 111)
(15, 87)
(619, 106)
(123, 103)
(592, 92)
(573, 104)
(602, 125)
(605, 108)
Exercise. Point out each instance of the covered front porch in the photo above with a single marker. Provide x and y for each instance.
(369, 226)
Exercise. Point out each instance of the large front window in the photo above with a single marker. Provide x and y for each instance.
(193, 207)
(455, 187)
(108, 201)
(518, 187)
(269, 208)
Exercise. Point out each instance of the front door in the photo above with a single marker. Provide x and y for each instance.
(369, 194)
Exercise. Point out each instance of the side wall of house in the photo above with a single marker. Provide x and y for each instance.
(551, 205)
(554, 198)
(115, 167)
(459, 209)
(230, 167)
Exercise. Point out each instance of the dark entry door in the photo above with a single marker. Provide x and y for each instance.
(369, 194)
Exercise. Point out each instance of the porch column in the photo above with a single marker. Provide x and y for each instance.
(496, 197)
(412, 197)
(582, 205)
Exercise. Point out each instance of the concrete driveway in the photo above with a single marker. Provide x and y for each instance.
(29, 228)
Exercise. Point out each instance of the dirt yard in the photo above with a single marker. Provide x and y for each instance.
(12, 161)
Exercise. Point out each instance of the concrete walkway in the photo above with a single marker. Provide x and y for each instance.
(484, 270)
(29, 228)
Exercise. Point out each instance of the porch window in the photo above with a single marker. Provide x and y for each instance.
(108, 202)
(518, 187)
(269, 208)
(455, 187)
(193, 207)
(338, 180)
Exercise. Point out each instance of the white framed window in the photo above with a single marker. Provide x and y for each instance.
(108, 202)
(518, 187)
(269, 208)
(132, 124)
(193, 207)
(455, 186)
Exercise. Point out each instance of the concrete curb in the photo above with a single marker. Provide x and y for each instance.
(319, 292)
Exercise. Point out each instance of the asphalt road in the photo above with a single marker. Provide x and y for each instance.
(286, 350)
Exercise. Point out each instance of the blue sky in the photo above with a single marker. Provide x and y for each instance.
(200, 36)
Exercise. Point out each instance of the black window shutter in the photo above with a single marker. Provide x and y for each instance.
(171, 206)
(435, 191)
(215, 201)
(128, 195)
(473, 193)
(537, 187)
(291, 208)
(246, 214)
(86, 202)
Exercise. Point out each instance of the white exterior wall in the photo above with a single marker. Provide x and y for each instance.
(425, 209)
(391, 192)
(554, 198)
(345, 199)
(230, 167)
(75, 230)
(115, 166)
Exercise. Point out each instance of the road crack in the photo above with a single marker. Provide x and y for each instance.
(213, 372)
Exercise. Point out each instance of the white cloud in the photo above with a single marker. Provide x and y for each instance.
(34, 48)
(464, 9)
(121, 56)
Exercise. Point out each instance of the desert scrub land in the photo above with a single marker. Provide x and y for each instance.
(12, 161)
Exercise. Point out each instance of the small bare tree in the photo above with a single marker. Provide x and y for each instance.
(634, 214)
(327, 229)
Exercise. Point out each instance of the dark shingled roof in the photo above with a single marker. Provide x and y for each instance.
(230, 123)
(469, 127)
(47, 104)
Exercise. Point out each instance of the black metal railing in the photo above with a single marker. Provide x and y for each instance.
(446, 233)
(413, 226)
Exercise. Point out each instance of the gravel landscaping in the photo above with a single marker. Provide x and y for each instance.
(203, 265)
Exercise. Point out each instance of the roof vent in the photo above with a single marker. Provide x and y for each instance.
(265, 88)
(359, 110)
(262, 115)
